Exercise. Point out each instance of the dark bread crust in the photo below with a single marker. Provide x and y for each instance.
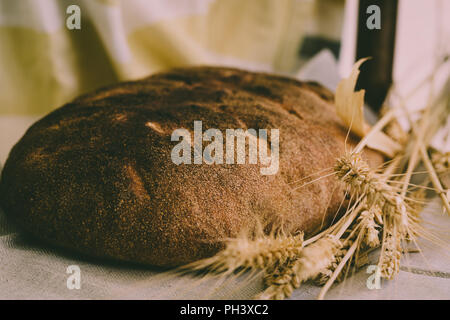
(96, 175)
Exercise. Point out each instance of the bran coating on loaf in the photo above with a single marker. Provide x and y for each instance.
(96, 176)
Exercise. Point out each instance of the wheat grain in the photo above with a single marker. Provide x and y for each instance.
(390, 258)
(313, 259)
(369, 227)
(441, 161)
(326, 273)
(280, 282)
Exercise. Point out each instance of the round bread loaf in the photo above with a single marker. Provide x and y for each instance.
(96, 175)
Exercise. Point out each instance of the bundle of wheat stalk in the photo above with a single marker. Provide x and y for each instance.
(384, 213)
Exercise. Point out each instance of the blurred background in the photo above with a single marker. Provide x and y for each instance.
(44, 64)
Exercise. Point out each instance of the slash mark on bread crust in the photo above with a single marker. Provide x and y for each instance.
(136, 185)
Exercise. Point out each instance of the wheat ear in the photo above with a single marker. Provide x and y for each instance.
(261, 252)
(313, 259)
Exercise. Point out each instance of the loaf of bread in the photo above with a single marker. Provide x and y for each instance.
(97, 176)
